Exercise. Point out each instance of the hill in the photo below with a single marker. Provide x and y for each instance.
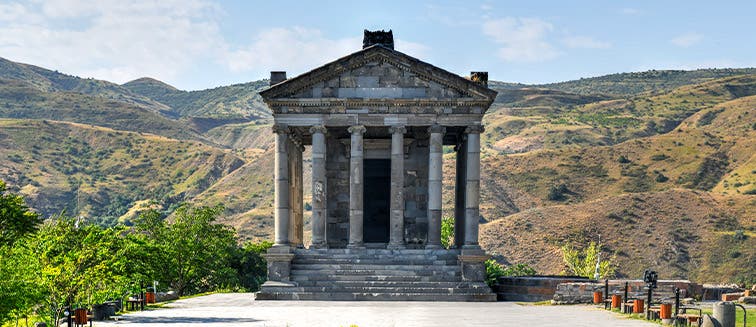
(669, 158)
(21, 100)
(640, 82)
(225, 102)
(49, 81)
(99, 172)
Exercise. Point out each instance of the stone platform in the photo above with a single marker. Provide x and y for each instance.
(377, 275)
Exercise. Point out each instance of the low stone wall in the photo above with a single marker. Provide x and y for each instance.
(582, 292)
(530, 288)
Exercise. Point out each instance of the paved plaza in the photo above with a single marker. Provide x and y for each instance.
(238, 309)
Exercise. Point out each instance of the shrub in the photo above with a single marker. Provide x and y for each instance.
(623, 160)
(447, 232)
(583, 262)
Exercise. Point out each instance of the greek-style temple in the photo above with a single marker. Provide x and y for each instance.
(376, 121)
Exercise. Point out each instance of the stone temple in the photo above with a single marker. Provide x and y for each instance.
(376, 121)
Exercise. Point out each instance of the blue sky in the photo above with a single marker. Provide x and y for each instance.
(197, 44)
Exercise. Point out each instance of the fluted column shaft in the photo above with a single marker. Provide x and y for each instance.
(396, 236)
(296, 197)
(356, 213)
(472, 186)
(435, 171)
(319, 194)
(281, 187)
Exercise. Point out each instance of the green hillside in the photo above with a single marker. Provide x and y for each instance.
(99, 173)
(639, 82)
(225, 102)
(21, 100)
(52, 81)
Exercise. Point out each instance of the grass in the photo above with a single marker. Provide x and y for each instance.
(750, 316)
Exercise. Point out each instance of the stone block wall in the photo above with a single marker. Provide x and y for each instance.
(582, 292)
(415, 188)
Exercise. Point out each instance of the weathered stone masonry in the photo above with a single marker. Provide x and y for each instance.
(376, 121)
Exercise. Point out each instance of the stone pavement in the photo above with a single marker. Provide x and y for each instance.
(238, 309)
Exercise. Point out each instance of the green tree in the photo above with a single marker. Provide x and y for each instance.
(16, 220)
(191, 254)
(583, 262)
(447, 232)
(19, 273)
(251, 266)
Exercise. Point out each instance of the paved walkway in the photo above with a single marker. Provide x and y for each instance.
(238, 309)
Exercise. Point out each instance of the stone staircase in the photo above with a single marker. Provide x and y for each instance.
(377, 275)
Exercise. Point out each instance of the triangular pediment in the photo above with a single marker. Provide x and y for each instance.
(380, 73)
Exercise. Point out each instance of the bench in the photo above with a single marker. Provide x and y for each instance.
(134, 304)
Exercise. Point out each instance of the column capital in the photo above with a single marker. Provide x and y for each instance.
(474, 129)
(436, 128)
(281, 129)
(318, 129)
(398, 129)
(298, 143)
(357, 129)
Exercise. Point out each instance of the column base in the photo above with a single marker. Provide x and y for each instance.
(397, 246)
(434, 247)
(473, 265)
(356, 246)
(471, 247)
(279, 263)
(319, 246)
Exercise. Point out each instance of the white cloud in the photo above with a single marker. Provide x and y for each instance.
(585, 42)
(299, 49)
(521, 39)
(687, 39)
(113, 40)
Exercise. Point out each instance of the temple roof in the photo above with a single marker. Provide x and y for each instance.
(378, 75)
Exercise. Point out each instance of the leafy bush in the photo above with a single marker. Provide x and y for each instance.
(583, 262)
(494, 270)
(557, 192)
(447, 232)
(623, 160)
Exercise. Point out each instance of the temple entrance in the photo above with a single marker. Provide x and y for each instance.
(377, 200)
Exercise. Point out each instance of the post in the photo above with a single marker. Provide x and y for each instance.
(606, 292)
(318, 186)
(396, 236)
(627, 284)
(648, 303)
(472, 186)
(356, 188)
(281, 215)
(435, 172)
(677, 301)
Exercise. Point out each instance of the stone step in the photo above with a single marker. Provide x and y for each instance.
(376, 272)
(363, 289)
(362, 267)
(377, 257)
(403, 252)
(374, 261)
(344, 296)
(384, 283)
(364, 278)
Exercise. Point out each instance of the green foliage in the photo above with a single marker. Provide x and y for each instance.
(447, 232)
(583, 262)
(250, 265)
(494, 270)
(192, 253)
(623, 160)
(16, 219)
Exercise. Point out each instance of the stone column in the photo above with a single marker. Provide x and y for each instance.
(459, 194)
(281, 187)
(435, 172)
(396, 239)
(296, 226)
(356, 188)
(472, 186)
(318, 186)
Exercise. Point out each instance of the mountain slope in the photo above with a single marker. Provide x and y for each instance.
(100, 173)
(47, 80)
(225, 102)
(640, 82)
(21, 100)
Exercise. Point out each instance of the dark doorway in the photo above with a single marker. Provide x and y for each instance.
(377, 200)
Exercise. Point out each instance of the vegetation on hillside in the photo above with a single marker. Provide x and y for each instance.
(68, 262)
